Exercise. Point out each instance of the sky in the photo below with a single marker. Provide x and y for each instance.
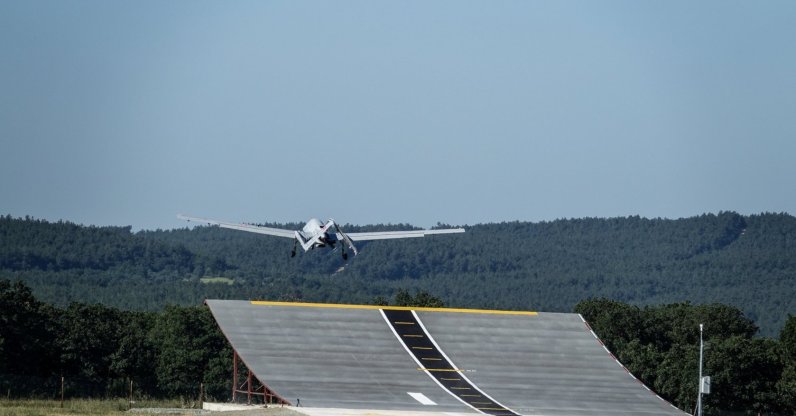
(419, 112)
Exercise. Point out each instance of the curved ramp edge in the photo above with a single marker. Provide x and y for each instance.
(588, 327)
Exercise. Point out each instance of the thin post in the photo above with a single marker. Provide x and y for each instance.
(234, 376)
(249, 387)
(130, 403)
(699, 385)
(62, 392)
(201, 394)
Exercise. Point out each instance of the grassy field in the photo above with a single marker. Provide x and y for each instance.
(79, 407)
(209, 280)
(92, 407)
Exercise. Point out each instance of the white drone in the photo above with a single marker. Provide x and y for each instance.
(315, 234)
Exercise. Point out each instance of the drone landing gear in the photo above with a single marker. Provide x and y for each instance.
(293, 252)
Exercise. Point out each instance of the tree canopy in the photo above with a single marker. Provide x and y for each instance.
(660, 346)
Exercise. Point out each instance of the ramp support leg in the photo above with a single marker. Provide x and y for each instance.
(234, 376)
(268, 395)
(249, 388)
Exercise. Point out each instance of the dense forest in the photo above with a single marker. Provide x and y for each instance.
(745, 261)
(99, 349)
(660, 345)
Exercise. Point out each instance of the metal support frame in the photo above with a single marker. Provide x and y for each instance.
(234, 376)
(252, 386)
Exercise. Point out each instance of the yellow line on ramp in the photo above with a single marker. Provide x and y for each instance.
(398, 308)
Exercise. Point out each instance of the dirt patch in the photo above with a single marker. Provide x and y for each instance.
(271, 411)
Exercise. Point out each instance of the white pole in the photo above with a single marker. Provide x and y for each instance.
(699, 385)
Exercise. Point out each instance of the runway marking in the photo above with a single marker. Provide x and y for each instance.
(412, 342)
(390, 308)
(421, 398)
(403, 323)
(438, 369)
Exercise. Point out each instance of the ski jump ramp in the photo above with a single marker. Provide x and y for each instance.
(501, 363)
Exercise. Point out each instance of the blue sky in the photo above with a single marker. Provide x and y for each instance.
(126, 113)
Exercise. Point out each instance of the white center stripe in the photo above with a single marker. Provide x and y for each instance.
(421, 398)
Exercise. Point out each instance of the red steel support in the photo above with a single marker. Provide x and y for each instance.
(261, 389)
(234, 376)
(249, 388)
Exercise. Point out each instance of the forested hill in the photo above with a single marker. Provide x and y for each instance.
(746, 261)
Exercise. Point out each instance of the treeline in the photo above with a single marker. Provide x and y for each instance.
(98, 349)
(745, 261)
(660, 346)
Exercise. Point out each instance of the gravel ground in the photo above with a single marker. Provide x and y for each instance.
(271, 411)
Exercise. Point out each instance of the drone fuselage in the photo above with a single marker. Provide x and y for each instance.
(316, 232)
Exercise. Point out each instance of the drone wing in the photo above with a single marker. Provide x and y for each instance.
(279, 232)
(384, 235)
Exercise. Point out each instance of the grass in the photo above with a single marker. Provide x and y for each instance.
(33, 407)
(208, 280)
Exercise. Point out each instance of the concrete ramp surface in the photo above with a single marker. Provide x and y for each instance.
(432, 360)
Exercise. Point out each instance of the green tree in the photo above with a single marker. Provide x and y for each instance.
(134, 353)
(642, 360)
(189, 345)
(744, 374)
(616, 323)
(660, 345)
(787, 383)
(88, 338)
(25, 342)
(380, 301)
(677, 374)
(420, 299)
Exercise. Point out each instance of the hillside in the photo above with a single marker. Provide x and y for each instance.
(746, 261)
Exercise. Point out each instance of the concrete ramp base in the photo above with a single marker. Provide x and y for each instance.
(229, 407)
(315, 411)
